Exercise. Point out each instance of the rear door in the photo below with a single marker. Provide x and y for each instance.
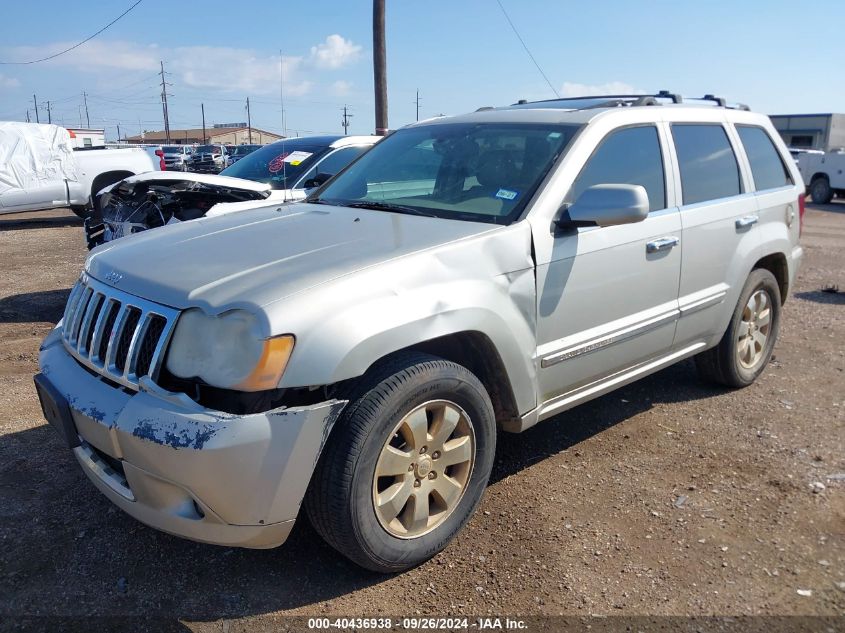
(718, 213)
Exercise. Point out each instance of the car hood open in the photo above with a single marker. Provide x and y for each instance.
(251, 258)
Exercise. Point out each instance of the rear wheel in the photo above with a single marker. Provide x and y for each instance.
(406, 465)
(747, 345)
(83, 212)
(820, 190)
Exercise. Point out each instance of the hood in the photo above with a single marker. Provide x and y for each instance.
(209, 179)
(252, 258)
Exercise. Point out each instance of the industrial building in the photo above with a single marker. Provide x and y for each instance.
(811, 131)
(212, 135)
(86, 137)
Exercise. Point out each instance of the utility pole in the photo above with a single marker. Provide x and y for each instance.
(164, 105)
(87, 118)
(118, 132)
(248, 121)
(49, 113)
(27, 115)
(418, 105)
(202, 107)
(345, 122)
(379, 67)
(282, 92)
(37, 119)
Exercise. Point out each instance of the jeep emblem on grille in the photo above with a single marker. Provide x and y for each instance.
(114, 277)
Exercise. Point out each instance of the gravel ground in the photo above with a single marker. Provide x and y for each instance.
(667, 497)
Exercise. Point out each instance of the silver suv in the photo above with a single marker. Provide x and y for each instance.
(354, 353)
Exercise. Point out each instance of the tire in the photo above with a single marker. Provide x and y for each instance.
(820, 190)
(342, 501)
(736, 361)
(83, 212)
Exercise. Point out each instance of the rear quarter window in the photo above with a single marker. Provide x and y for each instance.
(708, 165)
(767, 167)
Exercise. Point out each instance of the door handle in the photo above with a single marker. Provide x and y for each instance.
(748, 220)
(662, 244)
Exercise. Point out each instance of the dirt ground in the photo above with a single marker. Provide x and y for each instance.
(668, 497)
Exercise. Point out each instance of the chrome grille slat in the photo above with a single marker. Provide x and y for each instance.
(99, 318)
(132, 352)
(87, 323)
(76, 319)
(114, 338)
(72, 300)
(99, 331)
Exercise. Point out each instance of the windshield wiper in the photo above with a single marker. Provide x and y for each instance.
(386, 206)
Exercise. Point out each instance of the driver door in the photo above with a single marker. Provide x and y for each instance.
(607, 298)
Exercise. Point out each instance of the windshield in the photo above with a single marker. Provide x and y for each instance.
(243, 150)
(172, 149)
(208, 149)
(467, 171)
(280, 165)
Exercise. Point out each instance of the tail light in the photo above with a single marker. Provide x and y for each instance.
(800, 215)
(162, 165)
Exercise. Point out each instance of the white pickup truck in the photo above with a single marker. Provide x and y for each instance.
(40, 170)
(824, 175)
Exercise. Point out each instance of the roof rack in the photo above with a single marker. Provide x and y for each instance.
(623, 100)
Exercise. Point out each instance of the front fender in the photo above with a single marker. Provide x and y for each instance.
(484, 285)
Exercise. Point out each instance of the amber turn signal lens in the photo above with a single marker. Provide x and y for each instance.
(270, 367)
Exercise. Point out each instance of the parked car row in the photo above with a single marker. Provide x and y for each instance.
(352, 353)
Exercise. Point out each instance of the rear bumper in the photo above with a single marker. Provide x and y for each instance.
(197, 473)
(796, 256)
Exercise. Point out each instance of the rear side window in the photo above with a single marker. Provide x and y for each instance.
(709, 170)
(766, 165)
(630, 156)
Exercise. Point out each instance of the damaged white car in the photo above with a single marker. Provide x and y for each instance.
(280, 172)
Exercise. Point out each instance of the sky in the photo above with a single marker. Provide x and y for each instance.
(459, 54)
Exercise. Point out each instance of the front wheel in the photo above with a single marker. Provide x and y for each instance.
(406, 465)
(747, 345)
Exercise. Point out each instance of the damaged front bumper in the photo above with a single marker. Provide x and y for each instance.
(197, 473)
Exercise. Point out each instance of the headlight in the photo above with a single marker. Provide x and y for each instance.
(227, 351)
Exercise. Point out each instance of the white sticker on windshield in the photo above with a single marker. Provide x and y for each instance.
(506, 194)
(294, 158)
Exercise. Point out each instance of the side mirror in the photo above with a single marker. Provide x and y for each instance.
(607, 205)
(316, 181)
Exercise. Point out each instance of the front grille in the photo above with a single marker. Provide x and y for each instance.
(117, 335)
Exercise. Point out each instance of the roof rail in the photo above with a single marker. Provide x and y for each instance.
(639, 100)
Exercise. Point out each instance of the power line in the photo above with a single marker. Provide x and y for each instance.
(67, 50)
(525, 46)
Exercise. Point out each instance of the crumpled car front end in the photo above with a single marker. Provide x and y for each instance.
(145, 202)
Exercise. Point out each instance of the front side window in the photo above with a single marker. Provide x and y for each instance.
(482, 172)
(709, 170)
(630, 156)
(766, 165)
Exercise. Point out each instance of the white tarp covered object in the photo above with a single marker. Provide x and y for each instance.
(33, 154)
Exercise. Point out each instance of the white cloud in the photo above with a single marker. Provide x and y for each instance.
(8, 82)
(341, 88)
(570, 89)
(335, 52)
(235, 70)
(96, 55)
(218, 68)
